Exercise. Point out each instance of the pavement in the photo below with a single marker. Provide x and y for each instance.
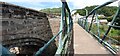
(84, 43)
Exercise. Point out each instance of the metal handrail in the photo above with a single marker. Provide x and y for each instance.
(66, 25)
(46, 45)
(61, 34)
(84, 24)
(69, 28)
(98, 7)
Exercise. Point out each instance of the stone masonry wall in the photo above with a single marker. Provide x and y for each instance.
(25, 28)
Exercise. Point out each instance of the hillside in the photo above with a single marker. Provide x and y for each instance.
(107, 10)
(52, 10)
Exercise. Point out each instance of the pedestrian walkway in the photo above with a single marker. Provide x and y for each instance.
(84, 43)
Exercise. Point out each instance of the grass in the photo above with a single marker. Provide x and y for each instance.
(113, 33)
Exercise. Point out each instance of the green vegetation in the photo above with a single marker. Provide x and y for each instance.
(107, 10)
(114, 33)
(117, 22)
(52, 10)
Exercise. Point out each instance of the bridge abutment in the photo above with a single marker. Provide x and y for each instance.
(25, 29)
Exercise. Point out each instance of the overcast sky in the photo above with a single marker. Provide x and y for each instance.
(73, 4)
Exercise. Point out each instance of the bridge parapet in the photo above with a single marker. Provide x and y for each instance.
(25, 28)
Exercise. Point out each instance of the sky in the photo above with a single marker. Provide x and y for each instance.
(73, 4)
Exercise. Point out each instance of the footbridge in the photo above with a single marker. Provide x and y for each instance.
(83, 37)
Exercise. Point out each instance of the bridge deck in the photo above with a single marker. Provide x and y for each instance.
(84, 43)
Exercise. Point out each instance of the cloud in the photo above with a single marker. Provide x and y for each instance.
(31, 0)
(78, 4)
(37, 5)
(73, 4)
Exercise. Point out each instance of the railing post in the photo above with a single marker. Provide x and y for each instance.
(91, 21)
(86, 20)
(114, 18)
(97, 23)
(107, 45)
(61, 28)
(66, 26)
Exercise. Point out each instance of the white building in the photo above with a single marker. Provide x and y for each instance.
(103, 21)
(76, 17)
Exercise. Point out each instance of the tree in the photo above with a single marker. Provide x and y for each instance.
(106, 10)
(51, 10)
(117, 22)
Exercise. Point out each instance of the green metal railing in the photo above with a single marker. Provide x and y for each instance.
(88, 26)
(65, 32)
